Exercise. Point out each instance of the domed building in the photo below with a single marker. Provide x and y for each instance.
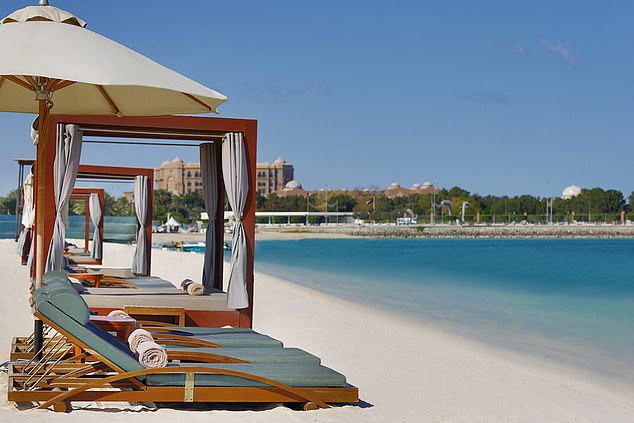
(293, 185)
(178, 177)
(273, 177)
(570, 191)
(395, 190)
(293, 188)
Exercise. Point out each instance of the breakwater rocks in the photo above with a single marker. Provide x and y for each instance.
(472, 231)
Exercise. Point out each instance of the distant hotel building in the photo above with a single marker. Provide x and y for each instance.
(180, 178)
(273, 177)
(395, 190)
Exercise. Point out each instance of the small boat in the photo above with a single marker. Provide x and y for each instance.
(193, 247)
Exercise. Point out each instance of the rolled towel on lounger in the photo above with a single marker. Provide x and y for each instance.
(196, 289)
(119, 313)
(152, 355)
(137, 337)
(192, 288)
(186, 283)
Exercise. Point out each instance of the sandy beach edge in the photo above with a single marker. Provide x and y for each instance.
(406, 370)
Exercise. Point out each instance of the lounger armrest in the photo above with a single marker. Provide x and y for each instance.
(95, 278)
(201, 357)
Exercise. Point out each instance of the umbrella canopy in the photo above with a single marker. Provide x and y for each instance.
(172, 222)
(87, 73)
(44, 12)
(52, 64)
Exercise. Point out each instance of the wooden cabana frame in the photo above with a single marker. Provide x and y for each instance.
(201, 129)
(83, 195)
(109, 173)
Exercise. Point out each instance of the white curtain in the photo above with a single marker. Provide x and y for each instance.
(209, 174)
(67, 155)
(236, 178)
(28, 217)
(95, 216)
(140, 262)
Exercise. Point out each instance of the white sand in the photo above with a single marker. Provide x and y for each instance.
(406, 371)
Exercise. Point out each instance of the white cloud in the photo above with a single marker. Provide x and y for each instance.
(558, 48)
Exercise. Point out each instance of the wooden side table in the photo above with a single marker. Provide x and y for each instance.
(123, 326)
(139, 312)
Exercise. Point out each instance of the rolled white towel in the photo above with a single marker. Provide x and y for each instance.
(151, 355)
(186, 283)
(195, 289)
(119, 313)
(137, 337)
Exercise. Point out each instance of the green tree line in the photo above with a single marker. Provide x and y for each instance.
(595, 204)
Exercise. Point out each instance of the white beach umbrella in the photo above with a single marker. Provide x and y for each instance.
(51, 63)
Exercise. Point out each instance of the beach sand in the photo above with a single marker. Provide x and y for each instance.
(261, 234)
(406, 371)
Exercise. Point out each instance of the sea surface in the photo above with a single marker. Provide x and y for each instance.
(116, 228)
(567, 301)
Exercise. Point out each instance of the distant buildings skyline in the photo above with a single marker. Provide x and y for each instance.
(179, 178)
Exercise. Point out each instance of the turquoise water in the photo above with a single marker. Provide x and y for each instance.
(7, 226)
(569, 301)
(116, 228)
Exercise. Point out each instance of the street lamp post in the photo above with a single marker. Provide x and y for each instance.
(327, 204)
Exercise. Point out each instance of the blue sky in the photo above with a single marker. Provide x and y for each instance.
(496, 97)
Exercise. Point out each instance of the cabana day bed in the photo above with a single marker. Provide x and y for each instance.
(93, 199)
(228, 153)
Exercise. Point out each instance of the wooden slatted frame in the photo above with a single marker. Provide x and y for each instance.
(88, 391)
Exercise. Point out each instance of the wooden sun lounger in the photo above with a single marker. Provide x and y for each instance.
(82, 258)
(111, 373)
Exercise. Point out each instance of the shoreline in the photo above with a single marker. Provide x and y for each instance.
(453, 231)
(534, 347)
(405, 370)
(293, 233)
(432, 341)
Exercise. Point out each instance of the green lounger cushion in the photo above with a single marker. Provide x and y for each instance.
(63, 296)
(256, 355)
(290, 374)
(199, 330)
(238, 340)
(54, 277)
(103, 343)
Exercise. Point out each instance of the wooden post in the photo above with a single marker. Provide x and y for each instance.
(102, 202)
(148, 221)
(40, 171)
(220, 219)
(251, 137)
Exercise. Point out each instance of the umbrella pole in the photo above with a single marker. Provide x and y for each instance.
(39, 218)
